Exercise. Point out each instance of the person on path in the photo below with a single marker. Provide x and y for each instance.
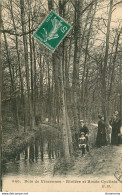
(101, 134)
(84, 129)
(82, 143)
(116, 125)
(108, 133)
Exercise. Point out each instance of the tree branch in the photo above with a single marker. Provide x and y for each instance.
(17, 34)
(117, 3)
(90, 4)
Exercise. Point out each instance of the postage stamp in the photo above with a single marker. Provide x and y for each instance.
(52, 31)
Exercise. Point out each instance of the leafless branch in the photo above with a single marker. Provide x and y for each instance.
(17, 34)
(117, 3)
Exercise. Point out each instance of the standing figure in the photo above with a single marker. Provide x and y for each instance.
(101, 134)
(108, 133)
(82, 143)
(84, 129)
(116, 124)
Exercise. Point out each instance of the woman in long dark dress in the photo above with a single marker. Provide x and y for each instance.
(116, 124)
(101, 134)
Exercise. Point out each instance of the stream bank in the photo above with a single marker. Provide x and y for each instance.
(14, 142)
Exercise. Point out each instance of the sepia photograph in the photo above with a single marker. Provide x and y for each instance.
(61, 96)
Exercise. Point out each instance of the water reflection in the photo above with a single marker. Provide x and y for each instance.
(38, 158)
(31, 153)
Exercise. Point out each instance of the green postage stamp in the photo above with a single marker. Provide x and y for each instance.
(52, 31)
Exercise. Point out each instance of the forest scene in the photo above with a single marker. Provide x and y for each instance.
(48, 98)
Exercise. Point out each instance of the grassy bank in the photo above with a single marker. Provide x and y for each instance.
(99, 162)
(13, 142)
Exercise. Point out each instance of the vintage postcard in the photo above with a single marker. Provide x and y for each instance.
(61, 96)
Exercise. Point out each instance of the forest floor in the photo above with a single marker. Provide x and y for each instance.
(98, 162)
(106, 160)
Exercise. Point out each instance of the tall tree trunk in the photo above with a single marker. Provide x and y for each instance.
(31, 58)
(30, 110)
(112, 73)
(57, 86)
(49, 94)
(85, 66)
(35, 81)
(19, 61)
(104, 87)
(66, 131)
(58, 71)
(41, 85)
(75, 80)
(55, 74)
(64, 124)
(14, 101)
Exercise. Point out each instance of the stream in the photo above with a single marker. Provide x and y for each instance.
(37, 159)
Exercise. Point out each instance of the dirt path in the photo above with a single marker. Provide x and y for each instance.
(99, 162)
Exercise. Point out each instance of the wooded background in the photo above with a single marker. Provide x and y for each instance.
(81, 79)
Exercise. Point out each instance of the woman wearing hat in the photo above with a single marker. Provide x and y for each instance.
(116, 124)
(101, 134)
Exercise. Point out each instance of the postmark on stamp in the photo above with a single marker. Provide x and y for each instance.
(52, 31)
